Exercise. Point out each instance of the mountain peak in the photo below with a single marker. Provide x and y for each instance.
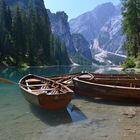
(62, 14)
(90, 23)
(107, 4)
(102, 24)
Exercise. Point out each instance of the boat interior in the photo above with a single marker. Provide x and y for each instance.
(41, 86)
(126, 81)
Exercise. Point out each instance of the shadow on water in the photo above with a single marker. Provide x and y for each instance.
(75, 113)
(109, 101)
(58, 117)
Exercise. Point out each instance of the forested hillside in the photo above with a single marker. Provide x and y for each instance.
(26, 37)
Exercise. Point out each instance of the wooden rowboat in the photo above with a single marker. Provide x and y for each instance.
(45, 92)
(66, 79)
(117, 88)
(87, 75)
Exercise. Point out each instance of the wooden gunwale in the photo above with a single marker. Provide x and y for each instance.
(104, 85)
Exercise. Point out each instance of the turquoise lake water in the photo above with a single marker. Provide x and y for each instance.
(19, 120)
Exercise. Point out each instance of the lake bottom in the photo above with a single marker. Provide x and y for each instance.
(84, 119)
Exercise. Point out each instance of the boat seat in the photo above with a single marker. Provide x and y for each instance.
(85, 77)
(37, 85)
(33, 80)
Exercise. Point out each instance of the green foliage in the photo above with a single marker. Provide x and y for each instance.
(5, 36)
(60, 52)
(129, 63)
(26, 38)
(131, 25)
(18, 38)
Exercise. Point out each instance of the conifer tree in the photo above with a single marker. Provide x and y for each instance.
(38, 37)
(2, 27)
(131, 25)
(8, 22)
(5, 31)
(31, 36)
(18, 38)
(46, 38)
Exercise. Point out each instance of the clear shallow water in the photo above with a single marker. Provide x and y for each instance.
(19, 120)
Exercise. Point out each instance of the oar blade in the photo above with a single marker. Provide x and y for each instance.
(6, 81)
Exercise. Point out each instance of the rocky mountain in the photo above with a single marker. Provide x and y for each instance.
(60, 27)
(110, 37)
(81, 45)
(103, 30)
(78, 47)
(90, 23)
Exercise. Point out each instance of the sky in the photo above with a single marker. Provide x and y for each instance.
(74, 8)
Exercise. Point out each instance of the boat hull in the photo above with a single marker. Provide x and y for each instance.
(51, 102)
(54, 102)
(84, 88)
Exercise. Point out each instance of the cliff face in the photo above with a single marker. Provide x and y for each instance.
(90, 23)
(76, 44)
(82, 46)
(110, 37)
(103, 26)
(60, 27)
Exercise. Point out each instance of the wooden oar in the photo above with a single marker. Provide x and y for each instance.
(6, 81)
